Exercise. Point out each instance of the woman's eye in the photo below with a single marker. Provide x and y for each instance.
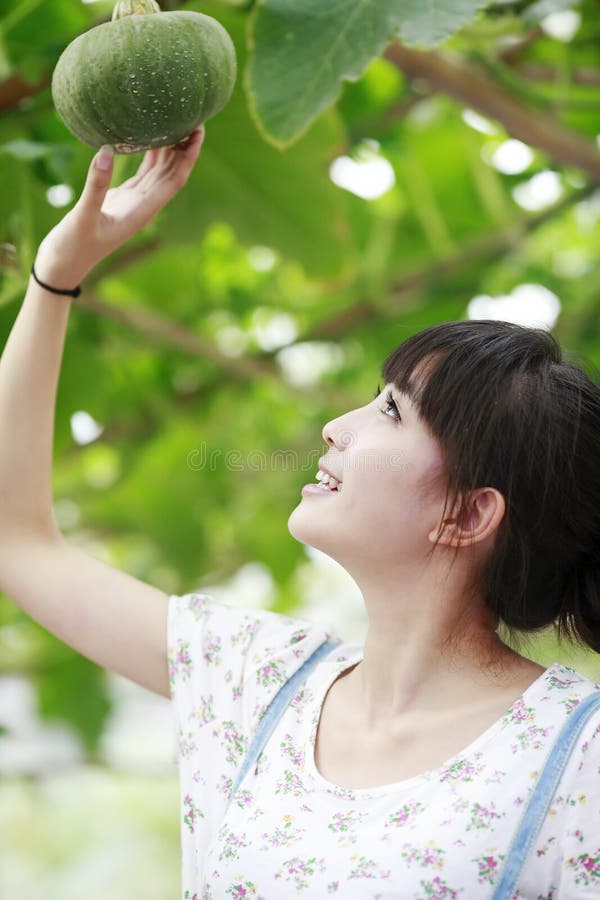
(390, 404)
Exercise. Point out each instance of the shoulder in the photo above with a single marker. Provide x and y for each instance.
(263, 630)
(566, 687)
(575, 811)
(264, 646)
(565, 855)
(565, 692)
(580, 690)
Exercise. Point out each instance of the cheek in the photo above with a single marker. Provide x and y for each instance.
(433, 482)
(378, 499)
(398, 489)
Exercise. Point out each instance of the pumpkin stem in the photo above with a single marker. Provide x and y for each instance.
(134, 8)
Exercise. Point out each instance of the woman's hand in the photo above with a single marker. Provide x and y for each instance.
(105, 218)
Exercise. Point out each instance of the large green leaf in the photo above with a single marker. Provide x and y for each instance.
(304, 49)
(268, 197)
(34, 32)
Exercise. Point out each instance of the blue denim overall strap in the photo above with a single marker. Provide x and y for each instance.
(537, 808)
(277, 707)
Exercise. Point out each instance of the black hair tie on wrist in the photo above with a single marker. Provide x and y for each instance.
(74, 293)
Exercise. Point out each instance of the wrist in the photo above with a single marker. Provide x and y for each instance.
(58, 277)
(55, 270)
(64, 292)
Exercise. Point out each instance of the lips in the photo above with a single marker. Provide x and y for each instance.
(322, 490)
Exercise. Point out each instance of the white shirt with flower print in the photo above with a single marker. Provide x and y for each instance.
(289, 832)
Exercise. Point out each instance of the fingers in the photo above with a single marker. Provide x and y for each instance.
(147, 164)
(162, 162)
(182, 156)
(173, 167)
(97, 181)
(161, 182)
(196, 137)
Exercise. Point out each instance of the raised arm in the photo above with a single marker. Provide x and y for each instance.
(108, 616)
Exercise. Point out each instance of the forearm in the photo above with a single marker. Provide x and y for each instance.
(29, 372)
(101, 221)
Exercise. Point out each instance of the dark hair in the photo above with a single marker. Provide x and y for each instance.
(511, 413)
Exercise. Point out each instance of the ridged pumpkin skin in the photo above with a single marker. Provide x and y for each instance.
(144, 81)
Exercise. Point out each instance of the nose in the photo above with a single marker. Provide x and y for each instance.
(337, 433)
(327, 436)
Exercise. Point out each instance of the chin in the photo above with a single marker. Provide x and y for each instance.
(298, 527)
(306, 530)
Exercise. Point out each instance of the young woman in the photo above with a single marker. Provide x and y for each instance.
(464, 495)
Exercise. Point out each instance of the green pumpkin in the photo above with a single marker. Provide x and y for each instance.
(145, 79)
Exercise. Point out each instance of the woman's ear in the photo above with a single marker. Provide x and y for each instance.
(476, 518)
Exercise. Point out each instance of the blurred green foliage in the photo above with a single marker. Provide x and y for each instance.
(177, 345)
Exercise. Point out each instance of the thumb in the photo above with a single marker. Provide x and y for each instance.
(98, 179)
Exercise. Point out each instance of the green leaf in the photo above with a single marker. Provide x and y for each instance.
(28, 150)
(73, 690)
(304, 50)
(537, 11)
(57, 157)
(36, 32)
(4, 64)
(268, 197)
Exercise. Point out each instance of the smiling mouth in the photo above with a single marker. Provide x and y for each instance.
(329, 481)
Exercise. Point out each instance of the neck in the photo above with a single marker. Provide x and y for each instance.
(425, 651)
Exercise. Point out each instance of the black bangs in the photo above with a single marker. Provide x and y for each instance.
(465, 379)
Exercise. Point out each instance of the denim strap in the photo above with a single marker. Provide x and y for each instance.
(537, 808)
(277, 707)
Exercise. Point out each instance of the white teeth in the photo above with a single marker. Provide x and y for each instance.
(329, 480)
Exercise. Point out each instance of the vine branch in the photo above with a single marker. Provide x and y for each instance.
(584, 75)
(166, 331)
(470, 85)
(411, 283)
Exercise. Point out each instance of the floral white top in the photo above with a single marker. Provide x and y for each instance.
(288, 831)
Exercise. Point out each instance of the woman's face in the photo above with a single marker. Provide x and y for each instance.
(392, 492)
